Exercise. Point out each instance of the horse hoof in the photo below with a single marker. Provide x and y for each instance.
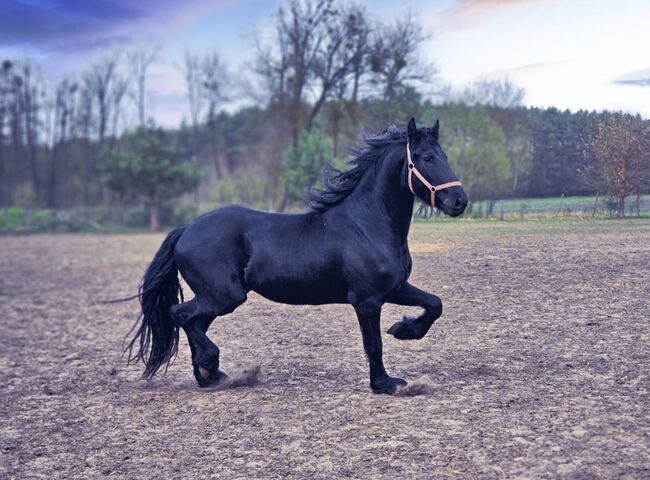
(387, 385)
(405, 330)
(212, 379)
(401, 331)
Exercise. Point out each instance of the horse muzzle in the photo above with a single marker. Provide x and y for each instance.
(455, 202)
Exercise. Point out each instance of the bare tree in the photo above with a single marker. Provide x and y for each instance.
(215, 80)
(118, 91)
(300, 31)
(28, 99)
(140, 59)
(621, 147)
(192, 71)
(396, 57)
(501, 93)
(99, 81)
(360, 47)
(343, 48)
(6, 180)
(62, 133)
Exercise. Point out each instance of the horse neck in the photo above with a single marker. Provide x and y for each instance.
(382, 194)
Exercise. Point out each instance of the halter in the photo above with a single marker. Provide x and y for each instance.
(434, 189)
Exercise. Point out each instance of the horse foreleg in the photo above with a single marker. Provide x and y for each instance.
(414, 328)
(369, 314)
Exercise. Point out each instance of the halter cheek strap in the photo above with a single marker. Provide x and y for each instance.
(433, 188)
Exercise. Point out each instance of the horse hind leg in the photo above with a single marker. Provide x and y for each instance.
(195, 317)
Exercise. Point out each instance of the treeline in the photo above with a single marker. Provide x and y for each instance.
(325, 73)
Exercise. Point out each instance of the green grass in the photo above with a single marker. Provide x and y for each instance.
(422, 230)
(558, 206)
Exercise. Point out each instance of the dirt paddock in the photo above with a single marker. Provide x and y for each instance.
(539, 367)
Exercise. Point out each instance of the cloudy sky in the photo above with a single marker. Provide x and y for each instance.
(567, 53)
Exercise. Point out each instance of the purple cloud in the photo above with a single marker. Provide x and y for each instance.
(59, 25)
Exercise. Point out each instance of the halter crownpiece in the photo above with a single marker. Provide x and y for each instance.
(433, 188)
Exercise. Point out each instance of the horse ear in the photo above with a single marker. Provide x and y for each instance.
(435, 130)
(412, 130)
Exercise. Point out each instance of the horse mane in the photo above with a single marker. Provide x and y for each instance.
(340, 183)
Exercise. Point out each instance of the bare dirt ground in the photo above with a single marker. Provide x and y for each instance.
(539, 367)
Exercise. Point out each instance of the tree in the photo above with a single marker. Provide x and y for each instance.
(621, 148)
(302, 49)
(477, 150)
(396, 57)
(191, 70)
(99, 82)
(146, 163)
(140, 59)
(558, 151)
(502, 93)
(215, 80)
(520, 154)
(303, 166)
(320, 50)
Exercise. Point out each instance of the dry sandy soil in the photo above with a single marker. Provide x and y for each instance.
(539, 367)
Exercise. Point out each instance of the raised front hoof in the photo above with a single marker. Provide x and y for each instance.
(206, 378)
(387, 385)
(404, 330)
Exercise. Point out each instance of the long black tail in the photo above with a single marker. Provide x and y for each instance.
(155, 342)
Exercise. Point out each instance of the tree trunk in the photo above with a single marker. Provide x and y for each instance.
(154, 222)
(221, 165)
(621, 207)
(283, 202)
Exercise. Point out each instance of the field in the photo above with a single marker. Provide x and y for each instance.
(562, 206)
(538, 367)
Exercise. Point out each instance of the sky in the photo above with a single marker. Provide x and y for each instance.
(574, 54)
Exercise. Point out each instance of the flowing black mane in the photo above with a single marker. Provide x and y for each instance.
(339, 184)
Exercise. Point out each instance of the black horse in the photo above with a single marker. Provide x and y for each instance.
(350, 248)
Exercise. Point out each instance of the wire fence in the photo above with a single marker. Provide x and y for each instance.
(595, 206)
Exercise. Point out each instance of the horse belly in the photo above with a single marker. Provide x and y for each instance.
(297, 283)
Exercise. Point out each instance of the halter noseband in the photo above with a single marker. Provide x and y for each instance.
(433, 188)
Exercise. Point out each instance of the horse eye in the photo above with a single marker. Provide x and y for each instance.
(427, 157)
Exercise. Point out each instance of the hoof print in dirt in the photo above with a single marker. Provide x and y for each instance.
(416, 388)
(246, 378)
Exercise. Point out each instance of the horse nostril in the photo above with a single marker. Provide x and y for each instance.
(461, 202)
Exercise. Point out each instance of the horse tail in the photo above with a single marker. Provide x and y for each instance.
(155, 342)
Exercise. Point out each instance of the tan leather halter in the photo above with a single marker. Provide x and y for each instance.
(433, 188)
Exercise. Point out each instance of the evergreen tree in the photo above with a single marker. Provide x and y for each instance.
(476, 148)
(303, 166)
(146, 163)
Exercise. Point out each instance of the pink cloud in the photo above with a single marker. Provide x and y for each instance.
(467, 12)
